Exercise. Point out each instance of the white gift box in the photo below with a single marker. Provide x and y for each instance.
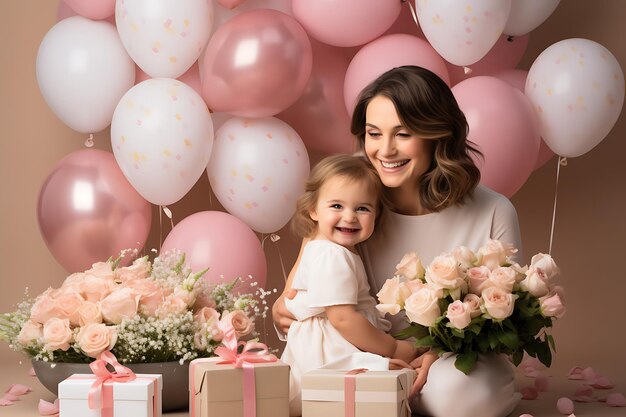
(138, 398)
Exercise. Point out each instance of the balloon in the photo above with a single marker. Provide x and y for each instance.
(83, 71)
(162, 137)
(191, 77)
(517, 78)
(164, 37)
(505, 54)
(98, 9)
(527, 15)
(257, 64)
(222, 243)
(503, 125)
(223, 14)
(257, 171)
(462, 34)
(346, 22)
(64, 11)
(577, 89)
(230, 4)
(87, 211)
(319, 116)
(384, 54)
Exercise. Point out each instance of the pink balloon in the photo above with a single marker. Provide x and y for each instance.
(504, 126)
(230, 4)
(64, 11)
(384, 54)
(319, 116)
(517, 78)
(505, 54)
(191, 77)
(88, 211)
(256, 65)
(92, 9)
(222, 243)
(346, 22)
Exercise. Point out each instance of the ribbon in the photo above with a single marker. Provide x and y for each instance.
(349, 390)
(102, 387)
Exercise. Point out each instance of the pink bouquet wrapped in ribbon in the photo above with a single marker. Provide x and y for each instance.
(110, 394)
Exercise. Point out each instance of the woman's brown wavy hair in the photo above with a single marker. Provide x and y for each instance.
(427, 107)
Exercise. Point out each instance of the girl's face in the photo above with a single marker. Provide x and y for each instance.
(345, 212)
(399, 156)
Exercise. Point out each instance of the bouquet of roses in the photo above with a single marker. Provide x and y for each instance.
(470, 303)
(147, 312)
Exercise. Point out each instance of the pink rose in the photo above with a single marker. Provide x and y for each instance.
(31, 332)
(206, 315)
(495, 253)
(465, 257)
(241, 323)
(46, 307)
(392, 296)
(477, 277)
(552, 306)
(119, 305)
(95, 338)
(89, 313)
(545, 263)
(57, 334)
(443, 273)
(151, 295)
(73, 282)
(69, 303)
(501, 277)
(422, 307)
(472, 301)
(459, 314)
(410, 266)
(204, 300)
(140, 269)
(95, 288)
(101, 270)
(498, 303)
(171, 305)
(536, 282)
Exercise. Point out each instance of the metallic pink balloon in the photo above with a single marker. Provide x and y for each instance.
(88, 211)
(256, 64)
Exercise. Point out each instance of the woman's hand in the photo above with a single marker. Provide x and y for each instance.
(280, 314)
(422, 364)
(405, 351)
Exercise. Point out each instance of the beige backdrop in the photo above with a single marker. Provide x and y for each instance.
(589, 243)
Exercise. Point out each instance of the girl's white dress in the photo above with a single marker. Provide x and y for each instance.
(328, 274)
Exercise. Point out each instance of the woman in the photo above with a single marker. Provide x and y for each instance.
(412, 131)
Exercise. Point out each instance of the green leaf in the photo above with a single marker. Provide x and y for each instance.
(493, 340)
(517, 356)
(551, 341)
(465, 361)
(425, 341)
(543, 353)
(457, 332)
(414, 330)
(509, 339)
(483, 344)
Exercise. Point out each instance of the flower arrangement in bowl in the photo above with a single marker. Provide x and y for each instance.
(477, 303)
(151, 312)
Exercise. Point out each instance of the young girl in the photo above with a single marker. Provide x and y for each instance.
(336, 315)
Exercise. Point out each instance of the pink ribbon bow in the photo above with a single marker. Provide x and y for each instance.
(251, 353)
(102, 387)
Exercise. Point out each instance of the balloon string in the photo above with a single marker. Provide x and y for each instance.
(412, 11)
(275, 238)
(169, 215)
(89, 141)
(562, 161)
(160, 228)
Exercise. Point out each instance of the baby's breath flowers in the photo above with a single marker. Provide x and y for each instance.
(147, 312)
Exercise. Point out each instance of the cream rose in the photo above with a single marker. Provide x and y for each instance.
(73, 282)
(46, 307)
(240, 322)
(101, 270)
(57, 334)
(95, 288)
(465, 257)
(545, 263)
(472, 301)
(501, 277)
(89, 313)
(171, 305)
(206, 315)
(31, 332)
(410, 266)
(459, 314)
(443, 273)
(392, 296)
(494, 253)
(95, 338)
(422, 307)
(552, 306)
(69, 303)
(140, 269)
(498, 303)
(477, 276)
(151, 295)
(536, 282)
(119, 305)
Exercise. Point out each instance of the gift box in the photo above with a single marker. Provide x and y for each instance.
(356, 393)
(140, 397)
(228, 390)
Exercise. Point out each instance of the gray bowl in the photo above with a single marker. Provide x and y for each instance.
(175, 378)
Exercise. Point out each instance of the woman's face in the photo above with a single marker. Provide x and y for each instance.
(399, 156)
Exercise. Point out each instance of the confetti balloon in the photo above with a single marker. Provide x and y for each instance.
(162, 135)
(257, 171)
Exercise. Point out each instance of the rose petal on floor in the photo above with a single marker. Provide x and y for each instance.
(583, 399)
(48, 409)
(529, 393)
(542, 383)
(19, 389)
(589, 374)
(616, 399)
(601, 382)
(565, 406)
(531, 373)
(31, 372)
(575, 373)
(11, 397)
(5, 402)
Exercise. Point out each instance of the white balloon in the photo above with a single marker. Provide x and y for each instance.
(576, 87)
(462, 33)
(162, 136)
(527, 15)
(257, 171)
(164, 37)
(83, 71)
